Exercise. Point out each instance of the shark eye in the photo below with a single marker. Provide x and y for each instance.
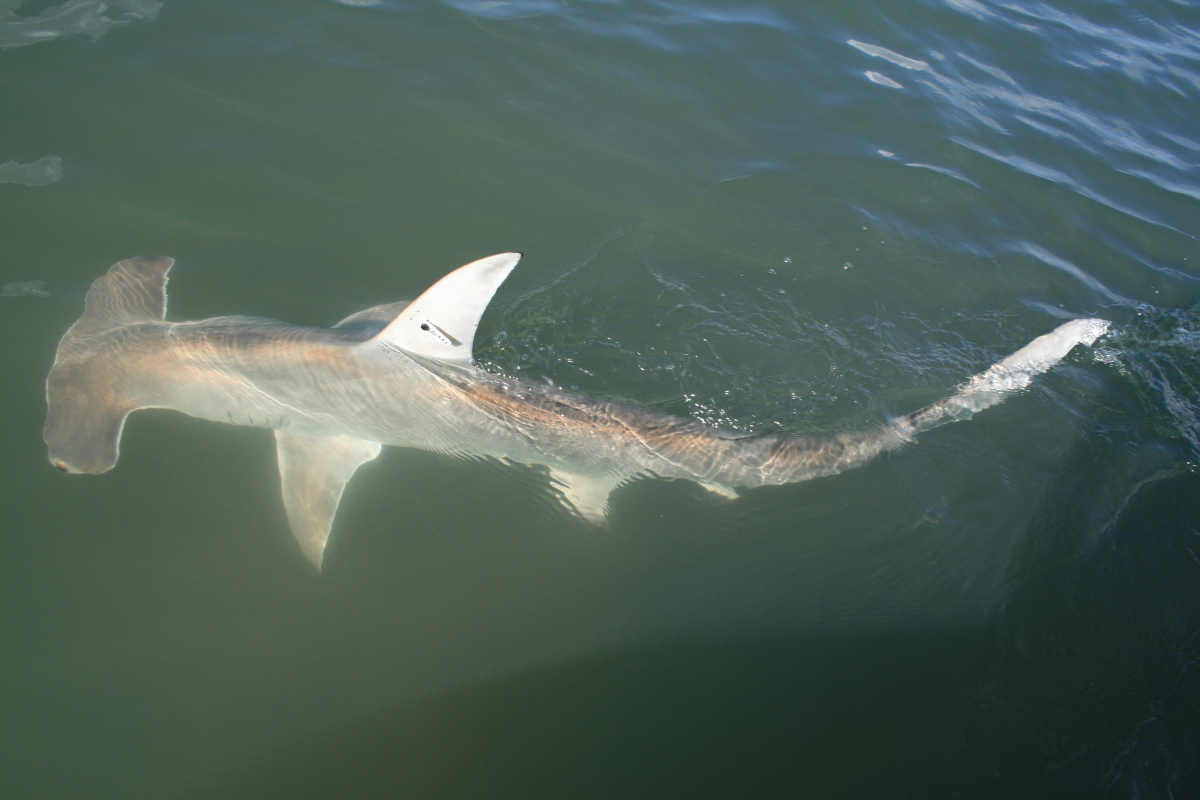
(61, 466)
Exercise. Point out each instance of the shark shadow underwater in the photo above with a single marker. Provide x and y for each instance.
(400, 374)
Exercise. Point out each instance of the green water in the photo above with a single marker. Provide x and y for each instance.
(804, 217)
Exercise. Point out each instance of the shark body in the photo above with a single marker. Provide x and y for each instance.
(398, 374)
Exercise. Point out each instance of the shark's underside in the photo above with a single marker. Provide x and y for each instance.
(399, 374)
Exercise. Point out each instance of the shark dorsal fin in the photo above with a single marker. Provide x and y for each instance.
(441, 323)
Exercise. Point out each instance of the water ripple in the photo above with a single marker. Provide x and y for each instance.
(1046, 173)
(90, 17)
(1074, 271)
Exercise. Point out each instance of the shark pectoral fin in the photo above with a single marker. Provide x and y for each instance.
(722, 490)
(441, 323)
(587, 495)
(314, 471)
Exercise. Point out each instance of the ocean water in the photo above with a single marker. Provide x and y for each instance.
(765, 216)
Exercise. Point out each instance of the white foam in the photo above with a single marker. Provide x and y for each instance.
(25, 288)
(882, 80)
(43, 172)
(888, 55)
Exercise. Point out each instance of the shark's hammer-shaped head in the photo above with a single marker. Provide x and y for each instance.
(85, 397)
(84, 420)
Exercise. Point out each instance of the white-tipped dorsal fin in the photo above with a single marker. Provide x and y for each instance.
(441, 323)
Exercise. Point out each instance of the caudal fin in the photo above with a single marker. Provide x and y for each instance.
(1005, 377)
(86, 405)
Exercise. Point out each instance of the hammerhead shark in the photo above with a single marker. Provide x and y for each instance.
(401, 374)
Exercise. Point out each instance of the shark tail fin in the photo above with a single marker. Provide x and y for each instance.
(86, 408)
(1005, 377)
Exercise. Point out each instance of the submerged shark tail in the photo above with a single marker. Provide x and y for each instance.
(1005, 377)
(86, 407)
(779, 458)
